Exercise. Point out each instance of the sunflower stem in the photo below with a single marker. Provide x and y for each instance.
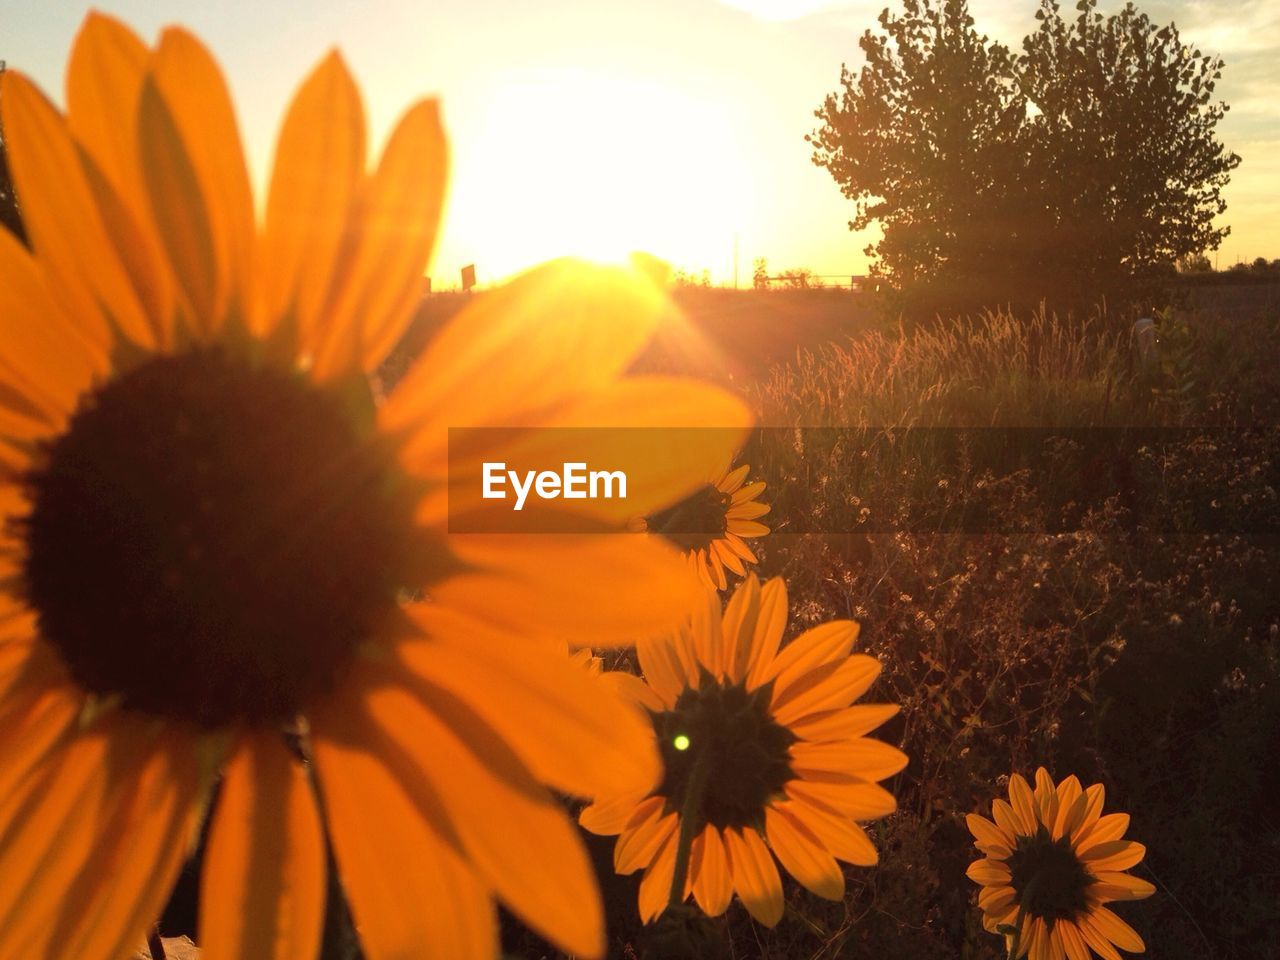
(690, 824)
(155, 946)
(1015, 942)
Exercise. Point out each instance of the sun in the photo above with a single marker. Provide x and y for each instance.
(577, 162)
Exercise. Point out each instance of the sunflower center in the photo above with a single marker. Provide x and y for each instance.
(732, 731)
(694, 522)
(210, 539)
(1049, 879)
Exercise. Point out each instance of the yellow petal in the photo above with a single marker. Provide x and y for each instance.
(661, 667)
(996, 899)
(1006, 819)
(655, 886)
(845, 839)
(991, 839)
(868, 759)
(988, 872)
(825, 643)
(104, 81)
(767, 636)
(315, 180)
(1113, 855)
(803, 855)
(1105, 829)
(599, 589)
(748, 511)
(42, 358)
(755, 877)
(62, 219)
(843, 723)
(630, 687)
(1094, 797)
(1103, 921)
(1092, 936)
(1073, 944)
(712, 880)
(203, 144)
(119, 802)
(390, 852)
(36, 721)
(748, 492)
(1046, 798)
(1119, 886)
(396, 226)
(733, 480)
(1069, 793)
(609, 815)
(515, 835)
(599, 317)
(738, 628)
(562, 723)
(640, 842)
(1023, 803)
(852, 798)
(262, 891)
(826, 687)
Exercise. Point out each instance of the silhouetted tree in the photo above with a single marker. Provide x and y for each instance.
(1066, 172)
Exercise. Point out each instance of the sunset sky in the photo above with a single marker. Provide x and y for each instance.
(673, 126)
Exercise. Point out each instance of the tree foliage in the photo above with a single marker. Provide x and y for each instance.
(1069, 171)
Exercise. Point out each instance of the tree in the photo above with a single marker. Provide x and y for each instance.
(1066, 172)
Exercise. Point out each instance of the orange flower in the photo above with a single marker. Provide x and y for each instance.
(767, 741)
(205, 524)
(714, 523)
(1051, 864)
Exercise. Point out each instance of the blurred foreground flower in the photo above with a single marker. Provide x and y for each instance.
(206, 524)
(1052, 863)
(760, 746)
(713, 524)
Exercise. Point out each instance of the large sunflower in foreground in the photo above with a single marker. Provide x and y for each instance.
(1052, 862)
(713, 523)
(205, 524)
(767, 743)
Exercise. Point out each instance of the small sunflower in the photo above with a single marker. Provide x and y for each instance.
(763, 752)
(206, 522)
(1052, 863)
(713, 524)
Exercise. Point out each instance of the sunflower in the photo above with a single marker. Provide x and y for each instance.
(205, 523)
(712, 524)
(1051, 863)
(762, 752)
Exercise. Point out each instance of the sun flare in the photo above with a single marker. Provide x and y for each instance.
(576, 162)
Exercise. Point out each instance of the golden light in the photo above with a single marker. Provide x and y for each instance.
(576, 162)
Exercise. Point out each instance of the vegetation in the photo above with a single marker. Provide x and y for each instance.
(1072, 171)
(1091, 601)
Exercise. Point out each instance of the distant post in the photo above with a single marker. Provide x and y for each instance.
(468, 277)
(426, 287)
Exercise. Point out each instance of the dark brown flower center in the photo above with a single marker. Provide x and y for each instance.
(210, 539)
(731, 731)
(1049, 879)
(694, 522)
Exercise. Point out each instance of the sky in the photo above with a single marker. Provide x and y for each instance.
(597, 127)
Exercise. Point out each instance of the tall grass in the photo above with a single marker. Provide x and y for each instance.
(990, 370)
(1091, 617)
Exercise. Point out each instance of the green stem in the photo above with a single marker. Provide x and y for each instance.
(1016, 941)
(690, 824)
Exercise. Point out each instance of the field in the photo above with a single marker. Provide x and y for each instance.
(1045, 582)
